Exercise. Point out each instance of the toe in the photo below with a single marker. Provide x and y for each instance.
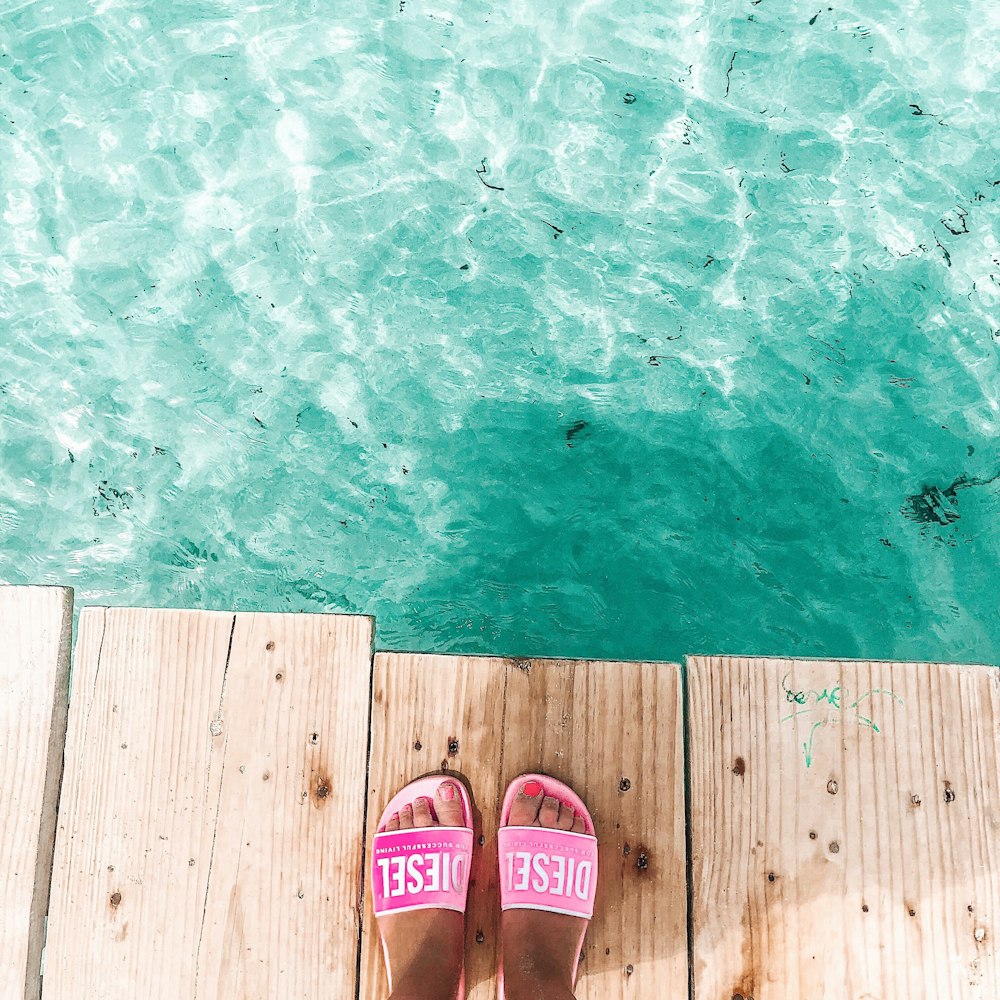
(406, 818)
(524, 810)
(422, 811)
(566, 817)
(392, 824)
(448, 804)
(548, 814)
(579, 826)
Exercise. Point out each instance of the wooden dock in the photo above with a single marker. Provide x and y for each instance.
(770, 829)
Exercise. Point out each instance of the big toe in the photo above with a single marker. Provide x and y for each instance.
(524, 809)
(448, 804)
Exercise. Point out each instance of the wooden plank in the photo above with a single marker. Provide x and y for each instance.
(35, 629)
(845, 827)
(212, 815)
(610, 730)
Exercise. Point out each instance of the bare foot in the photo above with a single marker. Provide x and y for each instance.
(426, 947)
(539, 948)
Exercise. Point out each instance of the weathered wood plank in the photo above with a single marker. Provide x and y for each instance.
(212, 815)
(610, 730)
(845, 825)
(35, 629)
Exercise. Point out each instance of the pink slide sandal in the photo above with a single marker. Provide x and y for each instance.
(545, 869)
(424, 868)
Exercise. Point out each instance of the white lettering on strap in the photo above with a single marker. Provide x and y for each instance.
(559, 877)
(554, 875)
(432, 871)
(415, 877)
(397, 865)
(541, 881)
(523, 863)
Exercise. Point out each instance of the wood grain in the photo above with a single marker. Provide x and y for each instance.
(845, 827)
(35, 630)
(613, 732)
(212, 816)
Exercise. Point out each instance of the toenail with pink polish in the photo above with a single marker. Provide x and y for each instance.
(531, 789)
(447, 792)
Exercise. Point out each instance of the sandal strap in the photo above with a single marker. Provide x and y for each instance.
(546, 869)
(421, 869)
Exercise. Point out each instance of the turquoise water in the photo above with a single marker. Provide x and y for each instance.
(609, 329)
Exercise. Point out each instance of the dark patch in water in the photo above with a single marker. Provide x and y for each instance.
(934, 505)
(482, 170)
(955, 222)
(574, 429)
(111, 500)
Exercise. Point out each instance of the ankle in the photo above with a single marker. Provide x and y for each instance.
(517, 987)
(432, 980)
(426, 951)
(533, 974)
(425, 991)
(540, 948)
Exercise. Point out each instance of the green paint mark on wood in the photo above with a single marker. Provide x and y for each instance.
(835, 701)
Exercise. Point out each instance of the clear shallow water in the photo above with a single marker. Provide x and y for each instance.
(597, 331)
